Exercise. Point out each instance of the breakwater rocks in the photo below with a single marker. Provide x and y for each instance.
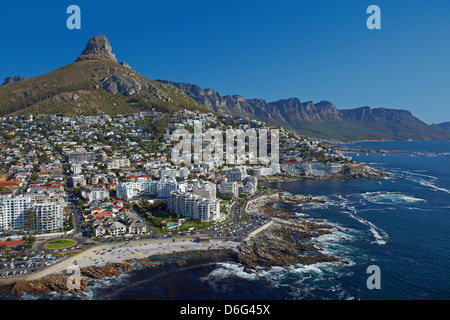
(284, 243)
(58, 282)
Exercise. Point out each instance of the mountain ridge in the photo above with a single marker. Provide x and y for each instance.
(322, 119)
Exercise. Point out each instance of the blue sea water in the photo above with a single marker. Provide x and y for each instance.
(401, 225)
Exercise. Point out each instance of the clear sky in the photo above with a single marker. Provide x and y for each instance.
(313, 50)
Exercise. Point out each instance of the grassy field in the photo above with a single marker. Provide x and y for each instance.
(60, 244)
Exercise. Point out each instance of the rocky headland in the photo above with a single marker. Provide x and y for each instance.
(282, 244)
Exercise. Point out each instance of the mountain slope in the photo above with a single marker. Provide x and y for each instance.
(93, 84)
(444, 126)
(321, 119)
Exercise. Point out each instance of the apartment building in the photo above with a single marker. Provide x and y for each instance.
(192, 206)
(148, 187)
(48, 213)
(117, 163)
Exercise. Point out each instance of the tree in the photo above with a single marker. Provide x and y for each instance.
(30, 219)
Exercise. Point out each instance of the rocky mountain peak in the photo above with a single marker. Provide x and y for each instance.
(13, 79)
(97, 47)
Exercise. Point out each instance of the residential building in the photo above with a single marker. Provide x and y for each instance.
(148, 187)
(118, 163)
(48, 213)
(192, 206)
(230, 188)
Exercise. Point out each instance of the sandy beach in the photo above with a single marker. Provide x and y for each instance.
(142, 249)
(129, 250)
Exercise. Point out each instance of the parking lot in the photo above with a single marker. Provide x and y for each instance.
(25, 265)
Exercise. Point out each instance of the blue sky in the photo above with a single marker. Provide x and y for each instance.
(313, 50)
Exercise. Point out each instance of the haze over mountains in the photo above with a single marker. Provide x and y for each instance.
(95, 83)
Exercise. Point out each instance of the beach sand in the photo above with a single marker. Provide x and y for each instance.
(130, 250)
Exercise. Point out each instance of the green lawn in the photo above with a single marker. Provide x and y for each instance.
(59, 244)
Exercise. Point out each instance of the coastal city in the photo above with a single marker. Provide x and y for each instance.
(87, 180)
(221, 158)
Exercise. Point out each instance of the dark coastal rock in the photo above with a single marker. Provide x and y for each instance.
(109, 270)
(283, 244)
(46, 285)
(361, 171)
(297, 199)
(58, 282)
(183, 257)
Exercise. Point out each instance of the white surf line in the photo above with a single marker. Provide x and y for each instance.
(380, 235)
(415, 177)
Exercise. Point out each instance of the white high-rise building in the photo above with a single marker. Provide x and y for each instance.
(12, 212)
(236, 174)
(204, 189)
(49, 216)
(148, 187)
(230, 188)
(128, 190)
(48, 213)
(192, 206)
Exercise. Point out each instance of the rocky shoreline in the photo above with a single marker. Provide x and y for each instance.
(349, 171)
(57, 282)
(288, 240)
(283, 244)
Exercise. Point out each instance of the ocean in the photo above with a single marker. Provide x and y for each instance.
(401, 226)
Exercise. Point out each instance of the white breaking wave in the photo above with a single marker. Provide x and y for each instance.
(431, 185)
(381, 237)
(424, 180)
(383, 197)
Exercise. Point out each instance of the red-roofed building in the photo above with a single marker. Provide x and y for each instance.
(102, 214)
(11, 244)
(96, 209)
(11, 183)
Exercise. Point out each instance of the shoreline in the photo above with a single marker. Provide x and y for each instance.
(269, 245)
(349, 172)
(123, 252)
